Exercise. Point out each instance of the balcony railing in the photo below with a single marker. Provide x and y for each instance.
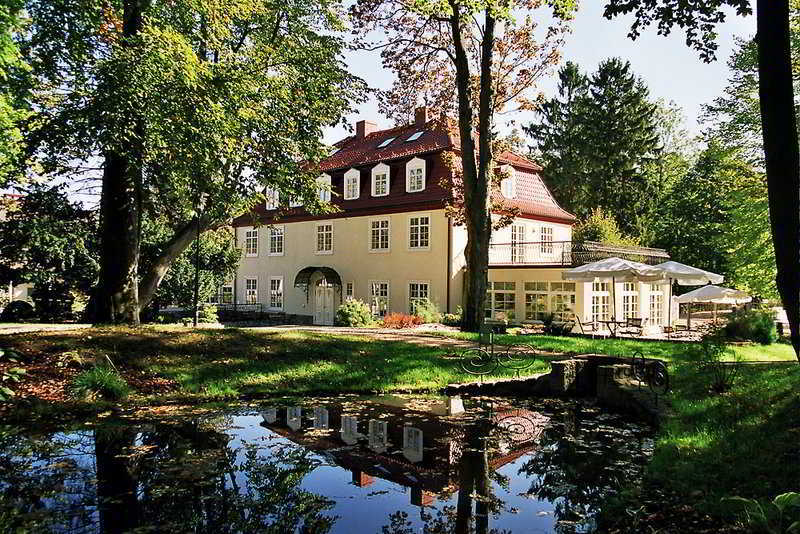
(568, 253)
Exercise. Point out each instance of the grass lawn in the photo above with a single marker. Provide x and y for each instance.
(217, 363)
(744, 442)
(666, 350)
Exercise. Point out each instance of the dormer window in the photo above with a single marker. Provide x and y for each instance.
(508, 184)
(380, 180)
(415, 175)
(352, 184)
(324, 188)
(386, 142)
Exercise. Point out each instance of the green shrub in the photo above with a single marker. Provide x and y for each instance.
(428, 311)
(100, 382)
(10, 374)
(208, 314)
(757, 324)
(354, 312)
(453, 319)
(17, 310)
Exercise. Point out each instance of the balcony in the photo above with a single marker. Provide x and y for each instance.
(567, 253)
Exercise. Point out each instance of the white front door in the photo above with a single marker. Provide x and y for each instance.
(323, 305)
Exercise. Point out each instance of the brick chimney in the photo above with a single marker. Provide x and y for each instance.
(364, 128)
(420, 116)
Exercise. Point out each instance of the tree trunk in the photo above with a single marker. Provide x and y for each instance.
(174, 248)
(116, 298)
(782, 158)
(476, 185)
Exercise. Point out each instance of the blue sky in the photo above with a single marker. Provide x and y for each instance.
(671, 70)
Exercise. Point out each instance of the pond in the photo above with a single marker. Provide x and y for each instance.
(384, 464)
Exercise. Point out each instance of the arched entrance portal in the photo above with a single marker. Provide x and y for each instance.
(323, 287)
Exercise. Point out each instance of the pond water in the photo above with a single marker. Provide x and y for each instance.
(340, 465)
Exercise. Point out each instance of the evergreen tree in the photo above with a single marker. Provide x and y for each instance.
(559, 139)
(597, 140)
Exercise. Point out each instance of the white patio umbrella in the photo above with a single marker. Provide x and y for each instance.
(615, 269)
(686, 275)
(714, 295)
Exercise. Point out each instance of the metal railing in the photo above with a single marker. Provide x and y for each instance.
(568, 253)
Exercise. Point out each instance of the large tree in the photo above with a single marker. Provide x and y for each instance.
(187, 109)
(490, 54)
(598, 140)
(777, 108)
(12, 92)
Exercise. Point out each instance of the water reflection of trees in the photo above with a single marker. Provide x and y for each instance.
(162, 477)
(475, 501)
(579, 463)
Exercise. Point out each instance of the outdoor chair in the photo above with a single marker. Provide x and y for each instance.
(589, 327)
(633, 326)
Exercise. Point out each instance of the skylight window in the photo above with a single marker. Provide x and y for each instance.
(386, 142)
(415, 136)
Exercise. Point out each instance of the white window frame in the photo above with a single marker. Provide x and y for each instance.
(349, 176)
(601, 301)
(560, 291)
(221, 294)
(537, 290)
(374, 304)
(317, 235)
(410, 243)
(324, 187)
(250, 252)
(491, 300)
(388, 232)
(518, 243)
(630, 300)
(279, 230)
(411, 300)
(378, 170)
(546, 245)
(350, 290)
(281, 294)
(656, 301)
(508, 184)
(250, 292)
(413, 165)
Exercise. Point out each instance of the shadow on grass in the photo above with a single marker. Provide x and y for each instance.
(745, 442)
(228, 362)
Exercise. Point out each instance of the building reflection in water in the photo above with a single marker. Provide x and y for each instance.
(226, 473)
(433, 450)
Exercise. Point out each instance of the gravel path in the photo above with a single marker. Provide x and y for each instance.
(20, 328)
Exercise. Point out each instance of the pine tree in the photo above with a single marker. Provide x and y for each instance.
(596, 140)
(559, 138)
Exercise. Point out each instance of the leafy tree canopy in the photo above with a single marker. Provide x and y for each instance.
(48, 239)
(210, 103)
(602, 227)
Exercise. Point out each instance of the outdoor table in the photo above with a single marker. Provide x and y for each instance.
(612, 326)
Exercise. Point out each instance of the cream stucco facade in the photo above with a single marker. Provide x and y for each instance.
(376, 262)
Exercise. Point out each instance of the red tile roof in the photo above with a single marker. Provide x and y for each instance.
(353, 152)
(532, 196)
